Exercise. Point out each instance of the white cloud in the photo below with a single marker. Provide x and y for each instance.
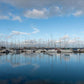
(17, 18)
(65, 37)
(10, 17)
(45, 8)
(14, 17)
(43, 13)
(35, 30)
(25, 33)
(35, 13)
(19, 33)
(78, 13)
(16, 33)
(4, 17)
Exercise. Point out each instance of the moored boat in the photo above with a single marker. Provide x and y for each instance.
(66, 51)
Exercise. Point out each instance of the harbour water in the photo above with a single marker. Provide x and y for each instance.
(42, 68)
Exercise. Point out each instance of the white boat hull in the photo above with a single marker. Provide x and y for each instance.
(66, 51)
(51, 51)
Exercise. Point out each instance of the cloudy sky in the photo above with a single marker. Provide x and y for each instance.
(42, 18)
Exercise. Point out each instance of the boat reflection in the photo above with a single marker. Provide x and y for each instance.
(41, 68)
(25, 59)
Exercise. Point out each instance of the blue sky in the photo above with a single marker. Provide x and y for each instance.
(42, 19)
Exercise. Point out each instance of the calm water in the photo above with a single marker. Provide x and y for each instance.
(42, 69)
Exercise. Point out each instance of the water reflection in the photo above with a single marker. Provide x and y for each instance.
(41, 68)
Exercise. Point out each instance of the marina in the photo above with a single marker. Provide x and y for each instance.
(42, 46)
(43, 50)
(41, 41)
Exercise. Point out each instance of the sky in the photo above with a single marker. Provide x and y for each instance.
(44, 19)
